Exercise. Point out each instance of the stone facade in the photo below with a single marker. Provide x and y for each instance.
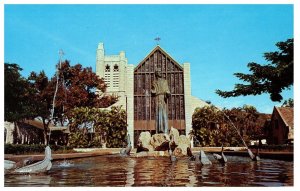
(119, 76)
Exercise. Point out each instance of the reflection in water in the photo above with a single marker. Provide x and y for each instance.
(130, 172)
(126, 171)
(29, 180)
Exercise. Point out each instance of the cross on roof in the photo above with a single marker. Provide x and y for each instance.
(157, 39)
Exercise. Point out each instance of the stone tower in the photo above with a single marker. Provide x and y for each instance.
(118, 75)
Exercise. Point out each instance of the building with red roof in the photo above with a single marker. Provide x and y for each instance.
(281, 127)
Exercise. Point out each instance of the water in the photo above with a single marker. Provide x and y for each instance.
(126, 171)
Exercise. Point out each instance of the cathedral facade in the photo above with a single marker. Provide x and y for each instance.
(133, 83)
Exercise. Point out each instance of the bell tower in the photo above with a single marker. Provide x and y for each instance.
(118, 76)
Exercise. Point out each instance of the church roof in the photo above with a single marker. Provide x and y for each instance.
(158, 48)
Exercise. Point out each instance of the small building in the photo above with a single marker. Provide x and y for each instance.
(32, 132)
(280, 129)
(23, 132)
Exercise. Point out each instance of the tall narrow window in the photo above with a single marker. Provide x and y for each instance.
(116, 68)
(107, 75)
(107, 68)
(116, 76)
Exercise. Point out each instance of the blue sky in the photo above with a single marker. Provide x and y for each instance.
(217, 40)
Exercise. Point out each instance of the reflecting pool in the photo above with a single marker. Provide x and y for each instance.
(114, 170)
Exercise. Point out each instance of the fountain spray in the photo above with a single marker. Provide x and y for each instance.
(61, 53)
(249, 151)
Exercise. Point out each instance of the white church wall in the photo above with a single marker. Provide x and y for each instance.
(187, 97)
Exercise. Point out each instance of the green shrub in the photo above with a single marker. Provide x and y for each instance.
(109, 126)
(78, 139)
(22, 149)
(95, 142)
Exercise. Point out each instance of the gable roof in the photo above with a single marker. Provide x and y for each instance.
(35, 123)
(163, 52)
(39, 125)
(287, 115)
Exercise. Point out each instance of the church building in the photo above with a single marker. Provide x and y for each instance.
(132, 83)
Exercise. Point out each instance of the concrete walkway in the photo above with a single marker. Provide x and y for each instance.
(38, 157)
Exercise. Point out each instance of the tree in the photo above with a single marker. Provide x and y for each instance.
(211, 126)
(42, 97)
(208, 127)
(288, 103)
(77, 87)
(33, 97)
(251, 117)
(244, 118)
(17, 98)
(271, 78)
